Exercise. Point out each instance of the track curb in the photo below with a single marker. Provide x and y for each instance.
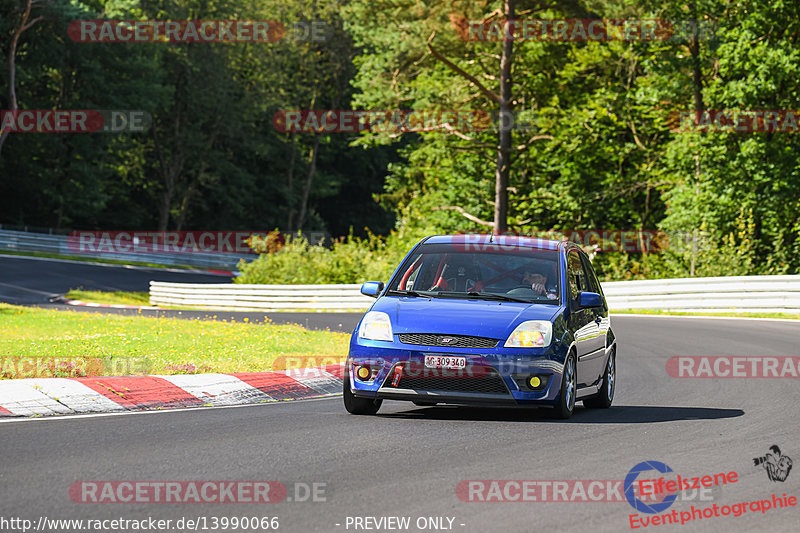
(30, 397)
(81, 303)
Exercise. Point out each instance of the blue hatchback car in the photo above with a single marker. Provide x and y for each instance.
(485, 320)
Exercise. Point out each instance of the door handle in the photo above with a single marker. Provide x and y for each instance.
(598, 320)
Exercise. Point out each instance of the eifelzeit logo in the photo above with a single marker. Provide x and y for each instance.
(777, 465)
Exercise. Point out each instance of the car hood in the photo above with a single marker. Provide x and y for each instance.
(478, 318)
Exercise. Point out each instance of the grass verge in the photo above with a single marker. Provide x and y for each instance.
(707, 313)
(48, 343)
(105, 297)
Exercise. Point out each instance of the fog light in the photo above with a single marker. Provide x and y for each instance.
(531, 382)
(363, 373)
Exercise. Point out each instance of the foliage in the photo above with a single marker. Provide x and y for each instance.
(212, 158)
(350, 259)
(606, 153)
(601, 149)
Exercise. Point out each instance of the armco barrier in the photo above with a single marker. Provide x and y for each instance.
(745, 293)
(240, 297)
(772, 294)
(22, 241)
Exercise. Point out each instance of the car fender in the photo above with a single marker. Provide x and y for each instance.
(563, 336)
(610, 338)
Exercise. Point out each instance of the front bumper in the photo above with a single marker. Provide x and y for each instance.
(497, 376)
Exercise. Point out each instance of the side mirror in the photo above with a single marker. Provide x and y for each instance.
(372, 288)
(590, 299)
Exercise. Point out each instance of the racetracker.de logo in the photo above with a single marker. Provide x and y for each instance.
(564, 490)
(17, 366)
(131, 242)
(403, 120)
(631, 241)
(73, 121)
(566, 30)
(177, 492)
(379, 121)
(735, 121)
(727, 366)
(206, 491)
(528, 490)
(176, 31)
(302, 362)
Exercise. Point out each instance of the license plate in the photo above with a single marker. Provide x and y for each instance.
(445, 361)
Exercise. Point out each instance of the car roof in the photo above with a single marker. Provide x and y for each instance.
(488, 239)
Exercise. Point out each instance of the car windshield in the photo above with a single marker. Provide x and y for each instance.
(449, 271)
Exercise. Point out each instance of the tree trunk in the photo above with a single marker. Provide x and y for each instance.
(12, 66)
(184, 207)
(290, 186)
(504, 140)
(170, 172)
(187, 196)
(312, 169)
(697, 74)
(699, 108)
(59, 214)
(163, 209)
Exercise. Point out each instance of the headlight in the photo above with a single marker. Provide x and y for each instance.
(531, 334)
(376, 326)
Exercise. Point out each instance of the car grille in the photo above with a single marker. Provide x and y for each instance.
(455, 341)
(489, 383)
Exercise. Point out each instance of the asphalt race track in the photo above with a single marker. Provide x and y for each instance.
(30, 280)
(408, 461)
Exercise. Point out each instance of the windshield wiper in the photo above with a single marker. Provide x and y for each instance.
(499, 297)
(398, 292)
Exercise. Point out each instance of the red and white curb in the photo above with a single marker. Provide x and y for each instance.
(112, 306)
(61, 396)
(230, 273)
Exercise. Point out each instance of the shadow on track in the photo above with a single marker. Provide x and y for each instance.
(623, 414)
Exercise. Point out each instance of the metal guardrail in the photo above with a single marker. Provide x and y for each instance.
(773, 294)
(747, 293)
(21, 241)
(241, 297)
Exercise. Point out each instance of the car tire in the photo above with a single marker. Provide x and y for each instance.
(565, 404)
(604, 398)
(358, 406)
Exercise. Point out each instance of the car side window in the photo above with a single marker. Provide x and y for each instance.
(592, 284)
(575, 273)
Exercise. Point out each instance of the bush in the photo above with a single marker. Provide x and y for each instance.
(348, 260)
(355, 260)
